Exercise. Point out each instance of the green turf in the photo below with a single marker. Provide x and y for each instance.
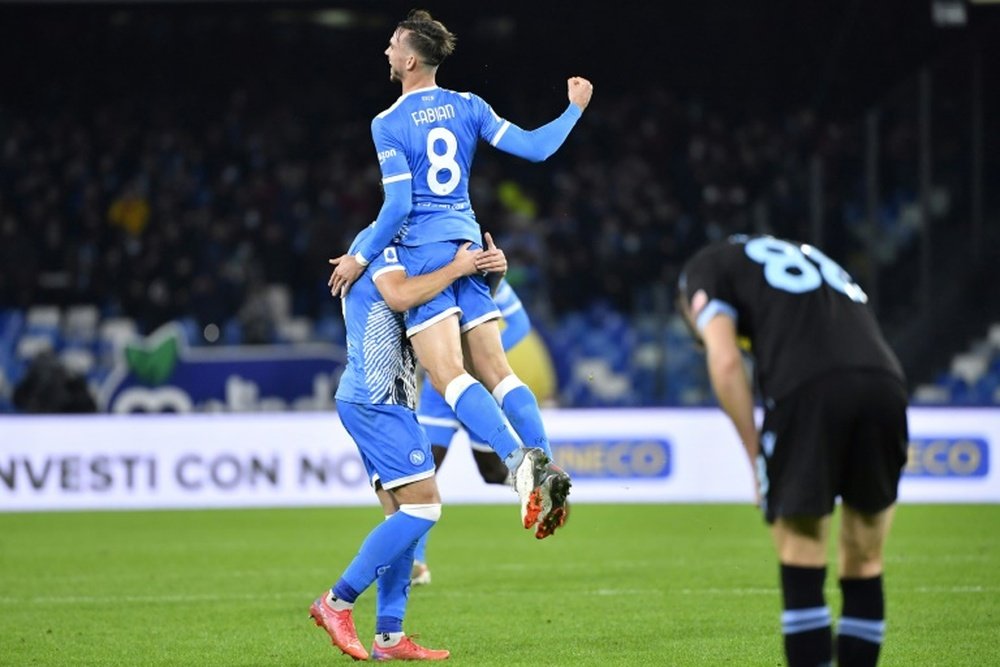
(620, 585)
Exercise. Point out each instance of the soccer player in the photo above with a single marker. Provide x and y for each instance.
(834, 425)
(441, 425)
(425, 143)
(375, 400)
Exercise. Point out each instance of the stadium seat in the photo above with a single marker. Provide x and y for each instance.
(970, 366)
(232, 332)
(602, 382)
(31, 345)
(993, 335)
(194, 333)
(330, 329)
(985, 388)
(45, 317)
(80, 324)
(932, 394)
(113, 335)
(279, 298)
(79, 361)
(295, 330)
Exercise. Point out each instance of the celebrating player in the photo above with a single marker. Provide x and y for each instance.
(425, 143)
(375, 401)
(834, 425)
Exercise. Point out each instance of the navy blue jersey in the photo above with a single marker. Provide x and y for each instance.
(802, 313)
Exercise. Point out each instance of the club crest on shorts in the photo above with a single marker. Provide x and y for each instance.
(417, 457)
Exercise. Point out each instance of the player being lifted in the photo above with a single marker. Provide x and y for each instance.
(440, 424)
(834, 425)
(425, 143)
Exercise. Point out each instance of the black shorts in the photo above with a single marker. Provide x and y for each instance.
(843, 434)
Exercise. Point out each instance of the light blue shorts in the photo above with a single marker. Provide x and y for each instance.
(393, 445)
(469, 297)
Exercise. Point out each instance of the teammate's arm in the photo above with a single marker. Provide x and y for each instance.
(729, 379)
(538, 145)
(402, 292)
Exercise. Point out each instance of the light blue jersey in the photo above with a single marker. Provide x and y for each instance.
(429, 136)
(425, 143)
(381, 365)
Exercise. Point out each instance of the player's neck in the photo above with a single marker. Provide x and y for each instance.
(416, 82)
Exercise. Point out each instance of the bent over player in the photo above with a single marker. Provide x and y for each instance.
(425, 143)
(375, 401)
(834, 425)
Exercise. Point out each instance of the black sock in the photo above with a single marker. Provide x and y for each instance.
(805, 622)
(862, 622)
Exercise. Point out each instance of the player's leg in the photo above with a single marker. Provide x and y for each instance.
(440, 425)
(542, 486)
(484, 352)
(862, 623)
(874, 462)
(546, 484)
(797, 472)
(491, 468)
(434, 332)
(805, 619)
(419, 499)
(439, 349)
(406, 469)
(420, 573)
(396, 453)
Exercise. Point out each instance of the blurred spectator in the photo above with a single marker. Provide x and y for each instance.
(48, 387)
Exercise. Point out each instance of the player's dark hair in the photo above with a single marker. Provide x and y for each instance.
(427, 36)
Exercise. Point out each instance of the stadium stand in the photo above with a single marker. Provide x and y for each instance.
(165, 196)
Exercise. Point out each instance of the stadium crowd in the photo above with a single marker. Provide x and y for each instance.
(184, 186)
(155, 212)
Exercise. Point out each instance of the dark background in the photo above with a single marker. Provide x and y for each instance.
(99, 99)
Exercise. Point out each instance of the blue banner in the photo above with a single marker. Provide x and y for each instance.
(947, 457)
(164, 374)
(640, 458)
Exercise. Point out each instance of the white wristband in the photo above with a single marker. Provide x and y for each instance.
(361, 259)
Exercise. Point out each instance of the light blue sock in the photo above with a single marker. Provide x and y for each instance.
(479, 413)
(521, 408)
(383, 546)
(394, 592)
(420, 553)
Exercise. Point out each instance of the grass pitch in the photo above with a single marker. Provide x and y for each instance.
(620, 585)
